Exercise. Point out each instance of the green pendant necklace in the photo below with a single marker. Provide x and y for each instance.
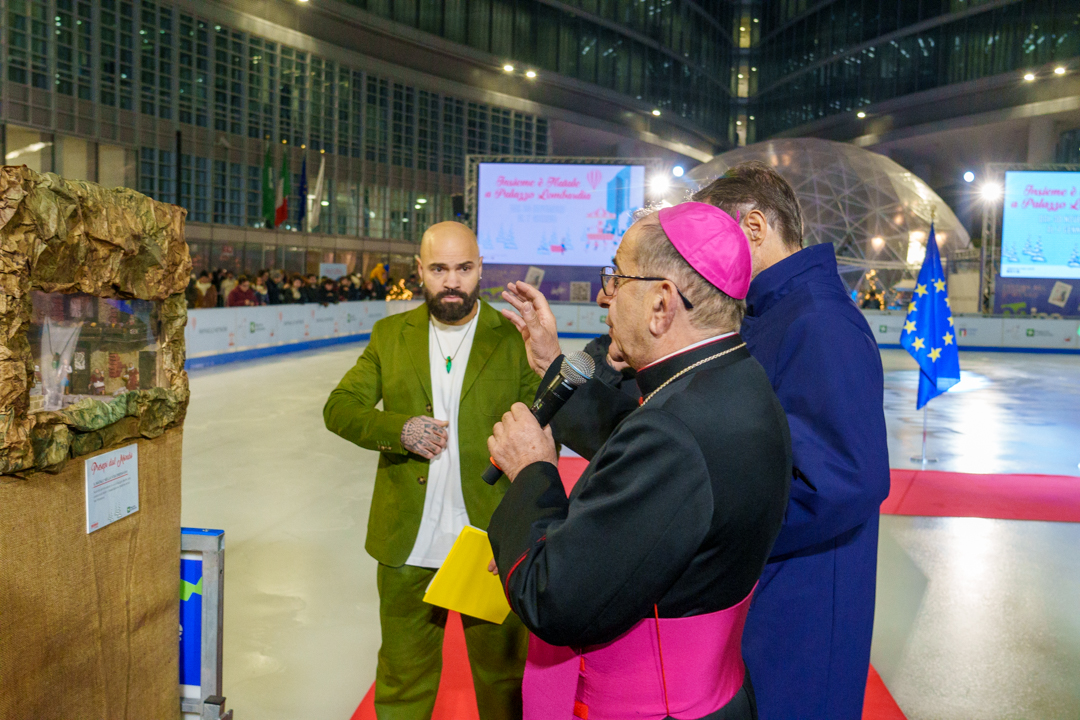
(450, 358)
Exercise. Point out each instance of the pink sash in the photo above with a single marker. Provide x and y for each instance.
(694, 669)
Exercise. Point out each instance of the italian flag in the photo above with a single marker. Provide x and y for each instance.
(284, 189)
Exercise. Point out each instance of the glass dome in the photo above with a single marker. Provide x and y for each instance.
(876, 213)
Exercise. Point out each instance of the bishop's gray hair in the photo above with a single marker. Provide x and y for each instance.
(657, 256)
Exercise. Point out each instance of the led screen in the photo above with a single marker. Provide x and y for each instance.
(546, 214)
(1040, 229)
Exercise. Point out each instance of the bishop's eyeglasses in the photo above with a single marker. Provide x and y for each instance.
(609, 283)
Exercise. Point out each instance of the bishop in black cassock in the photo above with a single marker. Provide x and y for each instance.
(636, 586)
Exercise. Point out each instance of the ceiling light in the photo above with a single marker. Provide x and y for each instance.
(508, 67)
(677, 171)
(1029, 76)
(31, 148)
(656, 113)
(531, 74)
(969, 176)
(751, 117)
(877, 242)
(860, 114)
(742, 29)
(421, 200)
(325, 203)
(660, 184)
(1059, 71)
(738, 122)
(740, 76)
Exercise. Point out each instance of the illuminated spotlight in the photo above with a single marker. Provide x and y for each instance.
(991, 191)
(738, 122)
(656, 113)
(531, 74)
(677, 171)
(1059, 71)
(969, 176)
(860, 114)
(877, 242)
(1029, 76)
(659, 184)
(324, 203)
(421, 200)
(416, 206)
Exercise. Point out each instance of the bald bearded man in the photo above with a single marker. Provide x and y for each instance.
(445, 372)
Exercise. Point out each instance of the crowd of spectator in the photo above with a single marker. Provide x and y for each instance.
(223, 288)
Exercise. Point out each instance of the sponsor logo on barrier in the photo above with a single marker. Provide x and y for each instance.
(254, 327)
(1031, 332)
(883, 328)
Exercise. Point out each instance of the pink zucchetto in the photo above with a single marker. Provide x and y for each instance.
(712, 242)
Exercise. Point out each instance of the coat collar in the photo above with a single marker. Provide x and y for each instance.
(652, 377)
(773, 283)
(485, 341)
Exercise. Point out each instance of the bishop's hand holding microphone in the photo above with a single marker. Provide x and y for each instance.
(575, 370)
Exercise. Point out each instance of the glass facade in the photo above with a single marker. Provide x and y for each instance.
(128, 75)
(672, 54)
(815, 59)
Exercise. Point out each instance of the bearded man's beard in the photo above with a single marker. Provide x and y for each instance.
(450, 313)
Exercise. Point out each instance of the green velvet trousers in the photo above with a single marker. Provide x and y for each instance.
(410, 659)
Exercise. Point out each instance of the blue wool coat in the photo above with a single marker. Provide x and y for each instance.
(807, 638)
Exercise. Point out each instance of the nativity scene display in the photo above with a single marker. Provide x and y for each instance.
(85, 346)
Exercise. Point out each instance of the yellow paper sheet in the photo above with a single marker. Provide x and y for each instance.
(463, 583)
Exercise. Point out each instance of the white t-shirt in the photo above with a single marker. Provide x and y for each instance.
(444, 515)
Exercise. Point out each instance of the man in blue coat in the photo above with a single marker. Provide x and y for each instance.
(807, 638)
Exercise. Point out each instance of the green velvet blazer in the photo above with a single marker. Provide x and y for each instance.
(394, 368)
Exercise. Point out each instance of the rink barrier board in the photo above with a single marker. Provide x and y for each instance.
(222, 335)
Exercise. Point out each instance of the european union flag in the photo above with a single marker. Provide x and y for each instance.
(928, 332)
(301, 214)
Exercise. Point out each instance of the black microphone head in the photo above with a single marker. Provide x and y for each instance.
(578, 368)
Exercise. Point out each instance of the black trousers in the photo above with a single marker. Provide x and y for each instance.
(741, 707)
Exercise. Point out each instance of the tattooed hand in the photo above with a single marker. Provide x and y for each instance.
(424, 436)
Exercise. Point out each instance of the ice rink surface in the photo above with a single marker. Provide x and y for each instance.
(976, 619)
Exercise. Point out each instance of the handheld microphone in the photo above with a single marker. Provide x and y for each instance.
(577, 369)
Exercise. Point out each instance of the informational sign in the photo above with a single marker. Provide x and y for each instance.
(333, 270)
(202, 577)
(1040, 229)
(548, 214)
(191, 624)
(112, 487)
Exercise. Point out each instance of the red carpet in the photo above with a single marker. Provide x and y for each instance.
(456, 699)
(1051, 498)
(879, 703)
